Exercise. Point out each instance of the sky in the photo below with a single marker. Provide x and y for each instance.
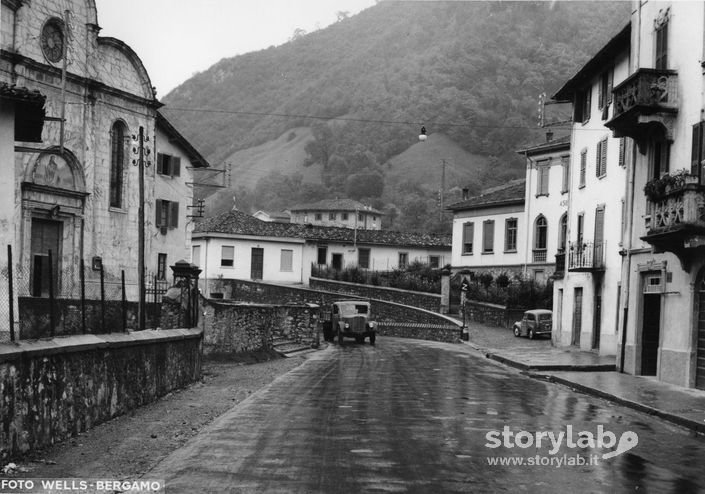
(177, 38)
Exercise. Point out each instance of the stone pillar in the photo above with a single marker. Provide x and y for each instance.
(180, 303)
(445, 290)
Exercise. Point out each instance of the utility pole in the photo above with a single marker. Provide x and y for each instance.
(443, 188)
(141, 150)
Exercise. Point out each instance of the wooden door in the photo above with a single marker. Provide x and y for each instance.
(651, 332)
(46, 237)
(257, 263)
(577, 316)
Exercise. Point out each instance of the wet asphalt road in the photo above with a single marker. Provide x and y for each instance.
(412, 416)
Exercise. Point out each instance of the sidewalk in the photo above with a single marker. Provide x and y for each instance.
(592, 374)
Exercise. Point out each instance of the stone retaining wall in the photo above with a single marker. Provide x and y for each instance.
(492, 314)
(232, 327)
(428, 301)
(53, 389)
(383, 311)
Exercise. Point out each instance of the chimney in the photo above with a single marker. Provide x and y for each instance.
(466, 193)
(549, 136)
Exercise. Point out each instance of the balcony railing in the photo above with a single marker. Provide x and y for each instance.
(539, 255)
(646, 92)
(586, 256)
(677, 210)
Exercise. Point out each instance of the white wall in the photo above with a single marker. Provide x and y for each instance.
(498, 257)
(176, 244)
(608, 191)
(211, 255)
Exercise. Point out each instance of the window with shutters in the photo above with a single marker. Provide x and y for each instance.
(117, 163)
(583, 167)
(196, 255)
(510, 235)
(697, 159)
(434, 262)
(583, 102)
(161, 266)
(659, 157)
(331, 216)
(287, 261)
(565, 164)
(661, 52)
(562, 231)
(227, 256)
(543, 168)
(601, 158)
(318, 216)
(468, 234)
(344, 216)
(168, 165)
(604, 97)
(622, 152)
(167, 214)
(363, 258)
(488, 237)
(322, 255)
(599, 238)
(403, 260)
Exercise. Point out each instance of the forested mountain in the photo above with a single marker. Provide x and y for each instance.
(471, 72)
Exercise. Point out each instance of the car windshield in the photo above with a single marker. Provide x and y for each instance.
(544, 317)
(353, 309)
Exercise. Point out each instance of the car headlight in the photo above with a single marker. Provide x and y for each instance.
(371, 324)
(347, 325)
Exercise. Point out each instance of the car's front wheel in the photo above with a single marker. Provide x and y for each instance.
(531, 334)
(372, 339)
(340, 338)
(517, 332)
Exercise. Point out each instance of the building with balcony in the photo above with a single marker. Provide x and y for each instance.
(660, 108)
(585, 299)
(517, 227)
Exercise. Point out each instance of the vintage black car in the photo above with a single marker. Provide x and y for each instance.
(350, 319)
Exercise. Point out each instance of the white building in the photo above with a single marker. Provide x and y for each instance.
(175, 161)
(235, 245)
(586, 300)
(516, 227)
(345, 213)
(660, 107)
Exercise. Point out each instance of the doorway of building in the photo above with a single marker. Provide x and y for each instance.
(46, 237)
(337, 261)
(257, 263)
(700, 360)
(598, 323)
(577, 316)
(651, 332)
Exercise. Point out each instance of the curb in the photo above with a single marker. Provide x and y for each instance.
(670, 417)
(550, 367)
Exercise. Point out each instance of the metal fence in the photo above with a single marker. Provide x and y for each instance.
(44, 302)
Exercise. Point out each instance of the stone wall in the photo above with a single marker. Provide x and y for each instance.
(53, 389)
(428, 301)
(231, 327)
(383, 311)
(492, 314)
(448, 333)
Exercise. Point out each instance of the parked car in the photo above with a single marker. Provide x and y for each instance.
(350, 319)
(537, 322)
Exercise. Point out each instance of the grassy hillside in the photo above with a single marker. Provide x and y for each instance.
(471, 71)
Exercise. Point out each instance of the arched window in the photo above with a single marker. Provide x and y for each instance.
(541, 233)
(562, 231)
(117, 163)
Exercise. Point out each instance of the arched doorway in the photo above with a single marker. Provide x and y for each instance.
(53, 196)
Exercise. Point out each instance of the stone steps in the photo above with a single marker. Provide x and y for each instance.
(288, 347)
